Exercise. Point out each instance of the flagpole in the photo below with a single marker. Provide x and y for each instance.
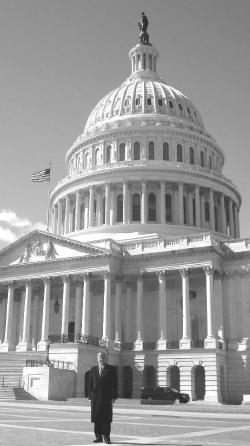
(48, 198)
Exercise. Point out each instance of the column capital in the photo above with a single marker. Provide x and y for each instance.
(184, 272)
(66, 278)
(46, 280)
(161, 274)
(27, 282)
(208, 270)
(107, 274)
(11, 284)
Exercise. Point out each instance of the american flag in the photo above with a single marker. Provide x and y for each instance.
(42, 175)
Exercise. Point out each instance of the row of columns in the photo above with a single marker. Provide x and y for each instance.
(82, 318)
(64, 207)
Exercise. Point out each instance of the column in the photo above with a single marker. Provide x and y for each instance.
(202, 197)
(118, 320)
(55, 219)
(223, 214)
(125, 202)
(185, 342)
(231, 219)
(59, 220)
(197, 207)
(210, 341)
(25, 344)
(3, 302)
(42, 345)
(162, 341)
(129, 312)
(78, 309)
(211, 209)
(67, 211)
(236, 221)
(98, 208)
(107, 306)
(78, 211)
(162, 203)
(107, 204)
(8, 336)
(112, 206)
(143, 203)
(139, 317)
(91, 206)
(190, 209)
(35, 321)
(65, 307)
(86, 211)
(180, 205)
(21, 316)
(85, 305)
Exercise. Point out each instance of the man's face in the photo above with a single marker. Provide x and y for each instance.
(101, 359)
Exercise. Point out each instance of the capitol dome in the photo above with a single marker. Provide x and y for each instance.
(144, 166)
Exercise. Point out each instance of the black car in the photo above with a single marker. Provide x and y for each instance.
(164, 393)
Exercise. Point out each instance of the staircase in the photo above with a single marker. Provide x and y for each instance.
(11, 373)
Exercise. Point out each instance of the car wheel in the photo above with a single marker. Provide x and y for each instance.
(177, 401)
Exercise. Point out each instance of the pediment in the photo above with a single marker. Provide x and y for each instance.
(39, 246)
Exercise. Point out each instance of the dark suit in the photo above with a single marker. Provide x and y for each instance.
(102, 390)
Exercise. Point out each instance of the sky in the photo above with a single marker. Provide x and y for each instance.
(60, 57)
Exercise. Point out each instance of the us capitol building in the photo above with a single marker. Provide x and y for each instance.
(144, 256)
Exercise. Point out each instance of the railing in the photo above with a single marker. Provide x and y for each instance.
(172, 345)
(61, 339)
(8, 381)
(65, 365)
(91, 340)
(150, 345)
(123, 345)
(198, 344)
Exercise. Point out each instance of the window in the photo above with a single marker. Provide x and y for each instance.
(121, 155)
(210, 163)
(188, 110)
(108, 154)
(179, 153)
(144, 61)
(97, 156)
(160, 102)
(202, 159)
(136, 207)
(151, 150)
(150, 61)
(149, 101)
(137, 154)
(151, 207)
(180, 107)
(191, 155)
(206, 211)
(137, 101)
(184, 210)
(126, 103)
(171, 105)
(119, 208)
(82, 215)
(168, 207)
(165, 151)
(95, 215)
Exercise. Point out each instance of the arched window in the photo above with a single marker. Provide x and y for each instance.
(191, 155)
(151, 207)
(137, 150)
(108, 154)
(185, 210)
(168, 207)
(179, 153)
(137, 101)
(103, 210)
(86, 160)
(210, 163)
(95, 215)
(82, 215)
(202, 159)
(165, 151)
(136, 207)
(150, 61)
(144, 61)
(97, 157)
(121, 154)
(151, 150)
(207, 216)
(119, 208)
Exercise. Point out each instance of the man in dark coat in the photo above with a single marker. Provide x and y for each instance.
(102, 393)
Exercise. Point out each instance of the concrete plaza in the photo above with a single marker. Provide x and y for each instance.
(68, 424)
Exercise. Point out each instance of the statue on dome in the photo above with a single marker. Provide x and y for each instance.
(143, 25)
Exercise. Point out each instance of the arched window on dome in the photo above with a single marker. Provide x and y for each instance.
(202, 159)
(95, 213)
(207, 213)
(108, 154)
(168, 207)
(136, 207)
(151, 207)
(138, 101)
(210, 163)
(150, 61)
(151, 150)
(137, 151)
(121, 153)
(216, 218)
(191, 155)
(144, 61)
(179, 153)
(119, 208)
(97, 157)
(87, 160)
(103, 210)
(165, 151)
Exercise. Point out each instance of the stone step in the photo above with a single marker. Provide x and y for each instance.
(14, 393)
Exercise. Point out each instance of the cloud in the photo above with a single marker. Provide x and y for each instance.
(13, 227)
